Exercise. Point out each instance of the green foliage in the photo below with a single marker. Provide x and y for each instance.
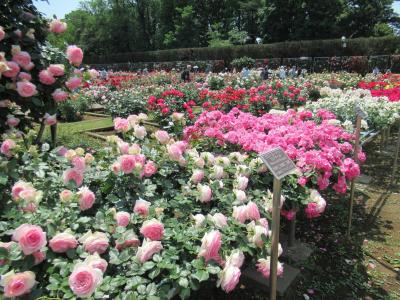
(73, 110)
(240, 63)
(124, 103)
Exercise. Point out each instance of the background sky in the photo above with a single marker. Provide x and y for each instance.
(62, 7)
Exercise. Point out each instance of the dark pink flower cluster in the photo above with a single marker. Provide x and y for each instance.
(318, 148)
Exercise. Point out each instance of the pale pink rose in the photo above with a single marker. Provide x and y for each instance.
(199, 162)
(229, 278)
(236, 259)
(148, 249)
(140, 132)
(123, 218)
(240, 196)
(240, 213)
(177, 116)
(31, 238)
(218, 219)
(89, 158)
(152, 229)
(25, 76)
(142, 207)
(46, 77)
(263, 266)
(264, 222)
(57, 26)
(95, 242)
(128, 163)
(7, 146)
(121, 125)
(18, 187)
(150, 169)
(2, 33)
(22, 58)
(30, 208)
(199, 220)
(175, 152)
(39, 257)
(59, 95)
(75, 55)
(197, 176)
(86, 198)
(123, 147)
(18, 284)
(116, 168)
(255, 233)
(66, 195)
(218, 172)
(242, 183)
(79, 163)
(130, 239)
(205, 193)
(12, 121)
(74, 175)
(13, 70)
(211, 242)
(133, 120)
(26, 89)
(93, 73)
(63, 242)
(56, 70)
(96, 262)
(84, 279)
(134, 149)
(50, 119)
(73, 83)
(252, 211)
(29, 67)
(162, 136)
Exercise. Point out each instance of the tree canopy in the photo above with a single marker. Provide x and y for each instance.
(113, 26)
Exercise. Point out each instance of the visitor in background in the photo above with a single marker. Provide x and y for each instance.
(245, 73)
(264, 73)
(208, 68)
(375, 71)
(103, 74)
(282, 72)
(185, 75)
(293, 72)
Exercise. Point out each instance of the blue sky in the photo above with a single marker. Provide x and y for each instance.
(62, 7)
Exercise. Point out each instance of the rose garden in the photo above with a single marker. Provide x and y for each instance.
(126, 181)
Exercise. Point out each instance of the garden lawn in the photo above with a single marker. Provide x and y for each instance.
(73, 134)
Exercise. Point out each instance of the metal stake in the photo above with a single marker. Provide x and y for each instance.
(276, 203)
(352, 186)
(396, 158)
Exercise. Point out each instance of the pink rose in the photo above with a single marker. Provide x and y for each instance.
(162, 136)
(79, 163)
(205, 193)
(150, 169)
(130, 239)
(59, 95)
(199, 220)
(26, 89)
(175, 152)
(240, 196)
(252, 211)
(12, 121)
(197, 176)
(63, 242)
(74, 175)
(2, 33)
(116, 168)
(22, 58)
(39, 257)
(13, 70)
(7, 146)
(56, 70)
(263, 266)
(29, 67)
(123, 218)
(31, 238)
(218, 219)
(18, 284)
(46, 77)
(94, 242)
(86, 198)
(242, 182)
(93, 73)
(236, 259)
(84, 280)
(240, 213)
(142, 207)
(57, 26)
(211, 243)
(18, 187)
(139, 132)
(75, 55)
(121, 125)
(66, 195)
(229, 278)
(255, 233)
(96, 262)
(73, 83)
(128, 163)
(152, 229)
(148, 249)
(25, 76)
(50, 119)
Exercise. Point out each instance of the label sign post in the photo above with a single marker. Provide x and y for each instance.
(280, 165)
(360, 115)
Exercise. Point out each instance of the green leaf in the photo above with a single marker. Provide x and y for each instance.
(183, 282)
(201, 275)
(184, 294)
(148, 265)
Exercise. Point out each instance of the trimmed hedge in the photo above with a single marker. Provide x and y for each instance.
(312, 48)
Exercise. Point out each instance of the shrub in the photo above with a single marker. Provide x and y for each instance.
(124, 102)
(73, 110)
(240, 63)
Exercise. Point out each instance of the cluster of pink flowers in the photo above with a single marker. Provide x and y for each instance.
(316, 147)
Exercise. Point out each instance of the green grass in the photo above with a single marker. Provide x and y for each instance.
(72, 134)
